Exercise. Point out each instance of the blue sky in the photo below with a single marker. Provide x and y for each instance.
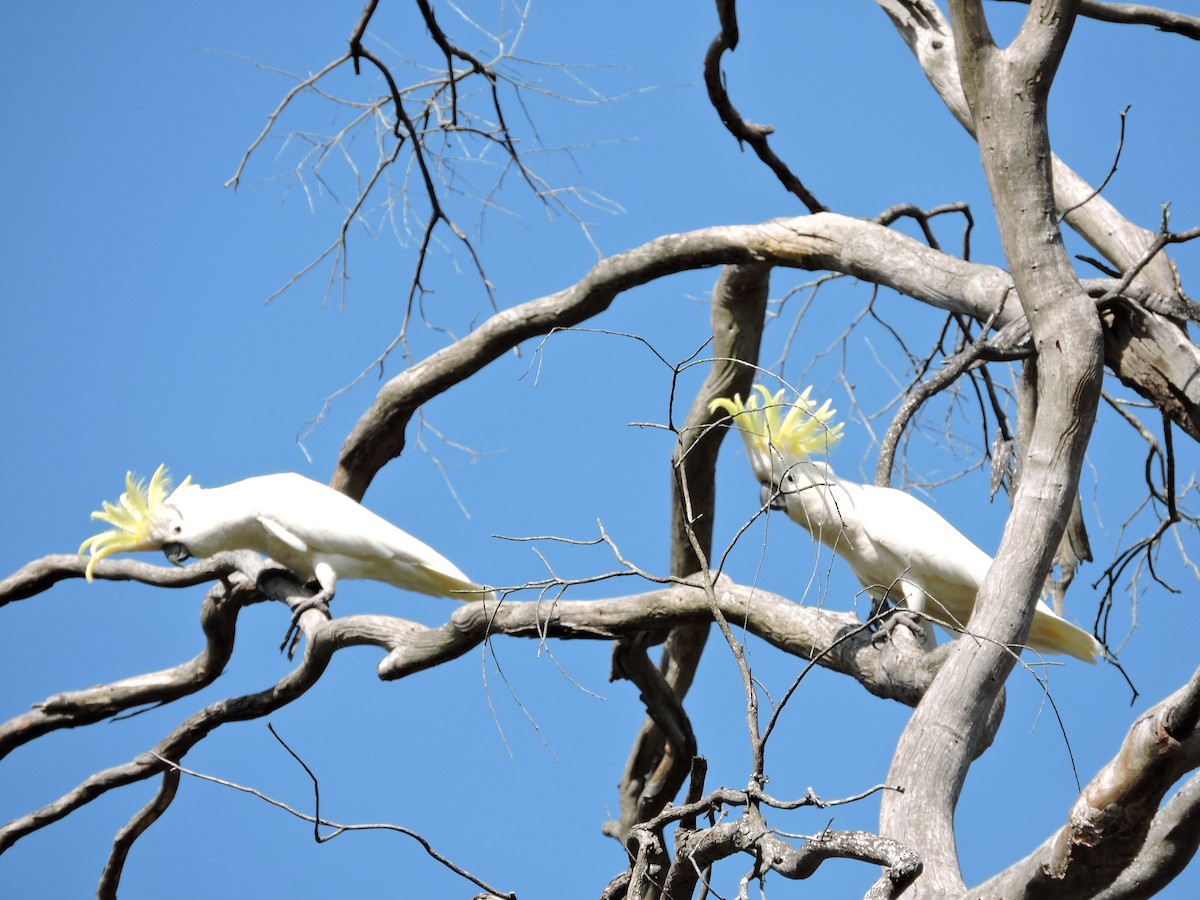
(134, 331)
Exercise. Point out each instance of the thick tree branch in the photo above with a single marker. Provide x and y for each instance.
(803, 631)
(1149, 353)
(665, 710)
(1137, 14)
(739, 306)
(1170, 845)
(1109, 823)
(71, 709)
(1006, 91)
(821, 242)
(825, 241)
(176, 745)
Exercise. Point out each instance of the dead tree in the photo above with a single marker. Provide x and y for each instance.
(1059, 329)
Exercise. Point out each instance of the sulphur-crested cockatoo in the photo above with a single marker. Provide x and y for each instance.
(898, 547)
(307, 527)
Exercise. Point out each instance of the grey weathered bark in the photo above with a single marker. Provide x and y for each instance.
(739, 305)
(1007, 92)
(176, 744)
(1107, 829)
(1149, 352)
(1170, 845)
(957, 688)
(824, 241)
(820, 242)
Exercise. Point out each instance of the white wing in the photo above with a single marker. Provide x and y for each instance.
(313, 521)
(908, 540)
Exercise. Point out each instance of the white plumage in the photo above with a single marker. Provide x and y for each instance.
(897, 547)
(309, 528)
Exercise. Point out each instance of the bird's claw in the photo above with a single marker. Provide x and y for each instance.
(291, 639)
(900, 616)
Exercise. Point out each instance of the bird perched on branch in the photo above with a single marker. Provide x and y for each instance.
(898, 547)
(318, 533)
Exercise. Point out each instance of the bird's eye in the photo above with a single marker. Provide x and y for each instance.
(788, 477)
(178, 529)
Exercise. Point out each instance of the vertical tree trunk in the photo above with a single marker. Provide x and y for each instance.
(1007, 91)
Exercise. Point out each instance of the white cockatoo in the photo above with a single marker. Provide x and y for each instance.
(307, 527)
(898, 547)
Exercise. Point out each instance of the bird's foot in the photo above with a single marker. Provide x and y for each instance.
(899, 616)
(318, 601)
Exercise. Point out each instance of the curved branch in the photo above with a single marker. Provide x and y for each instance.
(1170, 845)
(744, 130)
(110, 878)
(666, 712)
(803, 631)
(1136, 14)
(696, 850)
(1108, 825)
(1146, 350)
(1012, 342)
(825, 241)
(954, 367)
(739, 307)
(42, 574)
(182, 739)
(901, 863)
(71, 709)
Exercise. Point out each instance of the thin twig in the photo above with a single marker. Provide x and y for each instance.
(338, 828)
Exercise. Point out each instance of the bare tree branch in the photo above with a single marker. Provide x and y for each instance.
(42, 574)
(822, 242)
(1148, 352)
(110, 878)
(1170, 845)
(338, 828)
(696, 850)
(744, 130)
(1116, 840)
(1007, 92)
(665, 710)
(803, 631)
(739, 303)
(1137, 14)
(1108, 825)
(71, 709)
(176, 745)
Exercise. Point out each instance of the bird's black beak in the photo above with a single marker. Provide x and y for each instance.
(176, 553)
(771, 498)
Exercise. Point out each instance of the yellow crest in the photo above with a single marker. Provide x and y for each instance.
(792, 430)
(133, 514)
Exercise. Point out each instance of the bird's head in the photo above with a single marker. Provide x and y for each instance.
(778, 433)
(143, 519)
